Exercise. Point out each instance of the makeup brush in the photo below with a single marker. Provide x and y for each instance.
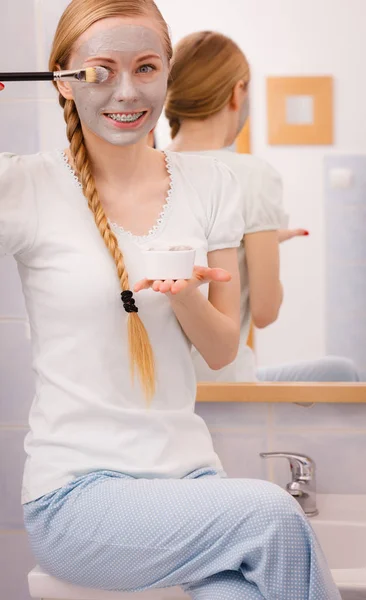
(89, 75)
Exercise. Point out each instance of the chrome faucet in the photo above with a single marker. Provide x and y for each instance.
(303, 484)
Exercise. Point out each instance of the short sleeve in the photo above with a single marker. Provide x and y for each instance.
(225, 221)
(264, 200)
(18, 217)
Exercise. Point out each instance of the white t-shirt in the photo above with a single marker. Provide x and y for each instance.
(86, 414)
(262, 210)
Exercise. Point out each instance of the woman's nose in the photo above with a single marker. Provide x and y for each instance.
(126, 90)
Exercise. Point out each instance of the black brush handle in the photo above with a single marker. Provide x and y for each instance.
(26, 76)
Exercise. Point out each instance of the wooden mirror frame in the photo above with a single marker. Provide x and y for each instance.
(290, 392)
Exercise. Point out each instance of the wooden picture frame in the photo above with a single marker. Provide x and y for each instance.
(242, 144)
(319, 92)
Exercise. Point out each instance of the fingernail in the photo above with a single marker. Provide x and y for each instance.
(2, 86)
(306, 233)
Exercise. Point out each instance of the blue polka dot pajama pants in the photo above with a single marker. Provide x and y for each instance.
(217, 538)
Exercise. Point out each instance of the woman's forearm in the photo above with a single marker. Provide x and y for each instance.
(215, 335)
(265, 288)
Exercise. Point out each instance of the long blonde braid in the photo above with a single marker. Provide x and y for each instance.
(141, 354)
(77, 18)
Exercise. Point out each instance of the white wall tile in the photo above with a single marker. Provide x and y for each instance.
(52, 126)
(19, 90)
(239, 453)
(16, 561)
(345, 212)
(320, 416)
(233, 414)
(16, 375)
(339, 458)
(11, 473)
(49, 13)
(46, 90)
(11, 296)
(346, 278)
(18, 46)
(47, 16)
(19, 127)
(346, 336)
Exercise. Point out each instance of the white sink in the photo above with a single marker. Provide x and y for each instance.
(341, 530)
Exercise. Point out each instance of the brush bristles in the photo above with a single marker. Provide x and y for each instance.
(96, 74)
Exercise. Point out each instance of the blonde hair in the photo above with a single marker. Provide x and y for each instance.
(206, 66)
(77, 18)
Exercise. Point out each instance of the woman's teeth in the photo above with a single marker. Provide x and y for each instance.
(127, 118)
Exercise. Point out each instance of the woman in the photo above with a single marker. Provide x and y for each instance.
(207, 106)
(120, 494)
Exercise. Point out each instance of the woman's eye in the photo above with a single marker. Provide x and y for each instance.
(146, 69)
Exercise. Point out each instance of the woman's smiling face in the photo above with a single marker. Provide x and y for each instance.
(125, 108)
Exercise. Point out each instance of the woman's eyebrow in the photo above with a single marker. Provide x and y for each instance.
(101, 58)
(108, 59)
(149, 56)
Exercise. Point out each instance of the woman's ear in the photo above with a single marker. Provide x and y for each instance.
(65, 90)
(239, 91)
(64, 87)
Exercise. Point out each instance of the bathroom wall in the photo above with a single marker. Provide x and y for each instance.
(280, 37)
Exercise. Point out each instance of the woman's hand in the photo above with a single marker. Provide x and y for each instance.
(201, 275)
(288, 234)
(211, 324)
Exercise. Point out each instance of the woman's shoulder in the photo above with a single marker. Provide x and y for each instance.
(250, 171)
(25, 181)
(34, 174)
(202, 172)
(28, 164)
(213, 192)
(20, 169)
(193, 161)
(245, 166)
(261, 189)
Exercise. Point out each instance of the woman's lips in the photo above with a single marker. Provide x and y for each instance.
(126, 120)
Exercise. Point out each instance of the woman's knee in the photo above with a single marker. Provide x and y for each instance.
(340, 369)
(272, 497)
(275, 509)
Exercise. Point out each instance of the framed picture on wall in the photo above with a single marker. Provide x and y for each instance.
(300, 110)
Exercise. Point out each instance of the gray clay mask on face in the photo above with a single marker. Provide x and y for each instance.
(133, 87)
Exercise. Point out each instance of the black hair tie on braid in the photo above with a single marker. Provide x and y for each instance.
(129, 302)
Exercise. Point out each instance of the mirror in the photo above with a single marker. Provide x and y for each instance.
(303, 125)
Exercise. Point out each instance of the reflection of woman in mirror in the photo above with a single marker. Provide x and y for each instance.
(119, 494)
(207, 106)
